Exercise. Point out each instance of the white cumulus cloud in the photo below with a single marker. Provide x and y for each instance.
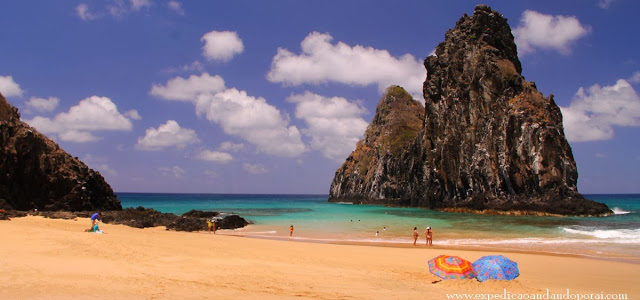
(187, 89)
(334, 124)
(635, 78)
(176, 7)
(255, 168)
(42, 105)
(221, 45)
(214, 156)
(139, 4)
(252, 119)
(9, 88)
(595, 111)
(540, 31)
(167, 135)
(238, 113)
(78, 124)
(321, 62)
(82, 10)
(133, 114)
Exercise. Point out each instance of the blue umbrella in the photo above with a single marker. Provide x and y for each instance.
(495, 267)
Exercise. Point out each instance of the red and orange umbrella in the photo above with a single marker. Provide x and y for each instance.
(451, 267)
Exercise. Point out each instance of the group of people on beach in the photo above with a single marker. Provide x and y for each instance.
(428, 233)
(211, 225)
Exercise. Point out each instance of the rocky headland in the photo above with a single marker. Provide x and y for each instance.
(35, 173)
(486, 140)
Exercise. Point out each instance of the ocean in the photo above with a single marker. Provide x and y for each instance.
(316, 220)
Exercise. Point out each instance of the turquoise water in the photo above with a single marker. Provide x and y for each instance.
(315, 219)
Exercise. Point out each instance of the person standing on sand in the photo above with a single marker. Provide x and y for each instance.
(213, 225)
(209, 225)
(429, 235)
(291, 231)
(415, 235)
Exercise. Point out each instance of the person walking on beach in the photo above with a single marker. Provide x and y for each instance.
(429, 235)
(213, 225)
(415, 235)
(291, 231)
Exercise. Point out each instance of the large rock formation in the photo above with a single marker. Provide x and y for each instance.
(36, 173)
(490, 140)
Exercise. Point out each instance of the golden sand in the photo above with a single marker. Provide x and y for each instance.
(54, 259)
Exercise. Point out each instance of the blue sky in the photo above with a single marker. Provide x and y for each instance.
(271, 96)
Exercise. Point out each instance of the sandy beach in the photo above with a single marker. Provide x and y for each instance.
(53, 259)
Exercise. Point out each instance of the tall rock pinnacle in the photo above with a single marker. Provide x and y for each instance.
(490, 140)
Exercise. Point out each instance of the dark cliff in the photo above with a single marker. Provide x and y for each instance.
(375, 171)
(36, 173)
(490, 140)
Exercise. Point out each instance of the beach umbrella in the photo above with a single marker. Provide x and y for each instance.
(451, 267)
(495, 267)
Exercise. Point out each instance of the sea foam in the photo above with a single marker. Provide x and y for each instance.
(619, 211)
(620, 236)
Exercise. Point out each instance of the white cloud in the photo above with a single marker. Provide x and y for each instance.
(174, 171)
(537, 30)
(176, 7)
(255, 168)
(42, 105)
(221, 45)
(139, 4)
(229, 146)
(8, 87)
(594, 112)
(119, 8)
(82, 10)
(239, 114)
(179, 88)
(321, 62)
(604, 4)
(334, 124)
(90, 114)
(252, 119)
(214, 156)
(167, 135)
(133, 114)
(635, 78)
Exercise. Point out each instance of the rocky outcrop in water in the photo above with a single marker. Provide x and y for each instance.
(36, 173)
(490, 140)
(141, 217)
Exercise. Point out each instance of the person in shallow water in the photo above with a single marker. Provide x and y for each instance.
(415, 235)
(290, 231)
(429, 236)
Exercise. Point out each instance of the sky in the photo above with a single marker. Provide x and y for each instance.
(272, 96)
